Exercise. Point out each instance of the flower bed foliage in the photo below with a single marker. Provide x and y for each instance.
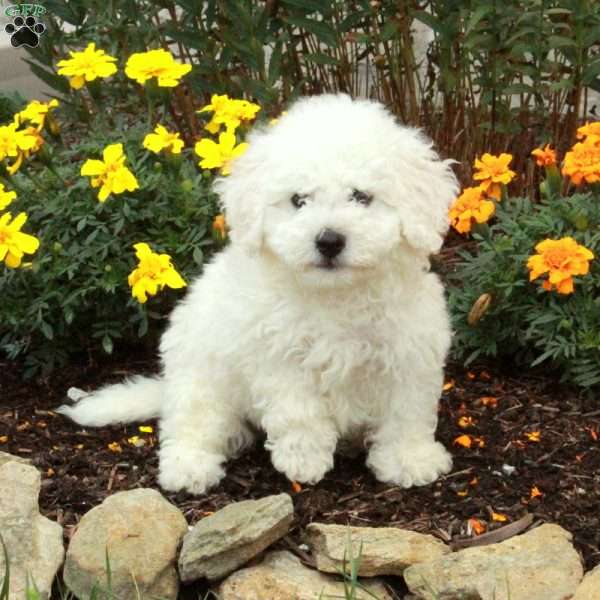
(529, 286)
(106, 197)
(95, 219)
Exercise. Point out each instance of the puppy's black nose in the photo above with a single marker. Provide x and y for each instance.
(330, 243)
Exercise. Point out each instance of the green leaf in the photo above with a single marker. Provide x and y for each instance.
(560, 41)
(476, 17)
(433, 22)
(57, 82)
(321, 59)
(321, 30)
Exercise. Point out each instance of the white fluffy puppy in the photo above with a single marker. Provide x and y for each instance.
(320, 320)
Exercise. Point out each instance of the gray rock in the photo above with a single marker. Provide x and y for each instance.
(281, 576)
(140, 531)
(222, 542)
(589, 589)
(539, 565)
(34, 543)
(383, 550)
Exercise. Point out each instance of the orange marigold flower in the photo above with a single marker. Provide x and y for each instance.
(544, 157)
(219, 226)
(561, 259)
(493, 172)
(591, 131)
(582, 162)
(471, 206)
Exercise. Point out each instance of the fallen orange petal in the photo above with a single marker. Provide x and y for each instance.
(463, 440)
(477, 526)
(471, 375)
(479, 441)
(448, 385)
(489, 401)
(535, 493)
(296, 487)
(115, 447)
(499, 517)
(474, 481)
(466, 421)
(533, 436)
(463, 493)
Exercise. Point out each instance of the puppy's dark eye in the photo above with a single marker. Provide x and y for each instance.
(361, 197)
(298, 200)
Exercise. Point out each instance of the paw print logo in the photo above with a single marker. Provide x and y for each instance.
(25, 32)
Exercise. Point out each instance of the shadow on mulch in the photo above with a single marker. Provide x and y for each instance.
(495, 475)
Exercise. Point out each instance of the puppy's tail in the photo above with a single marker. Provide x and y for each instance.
(133, 400)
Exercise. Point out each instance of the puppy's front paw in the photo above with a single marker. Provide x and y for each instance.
(407, 464)
(188, 468)
(301, 458)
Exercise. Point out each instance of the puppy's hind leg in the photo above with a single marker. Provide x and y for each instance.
(200, 429)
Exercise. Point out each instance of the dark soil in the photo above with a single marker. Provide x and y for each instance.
(79, 470)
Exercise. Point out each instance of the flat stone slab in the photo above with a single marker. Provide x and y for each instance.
(538, 565)
(34, 543)
(140, 531)
(220, 543)
(589, 588)
(281, 576)
(383, 550)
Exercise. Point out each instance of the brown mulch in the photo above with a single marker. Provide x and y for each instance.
(79, 470)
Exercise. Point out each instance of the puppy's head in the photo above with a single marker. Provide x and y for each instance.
(334, 188)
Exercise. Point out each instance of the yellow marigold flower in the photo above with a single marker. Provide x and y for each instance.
(8, 141)
(29, 140)
(153, 272)
(111, 175)
(229, 112)
(561, 259)
(13, 242)
(590, 131)
(582, 162)
(471, 206)
(162, 139)
(545, 157)
(88, 65)
(6, 197)
(219, 155)
(219, 225)
(35, 113)
(142, 66)
(493, 172)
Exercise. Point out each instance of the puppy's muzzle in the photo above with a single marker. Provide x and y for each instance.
(330, 243)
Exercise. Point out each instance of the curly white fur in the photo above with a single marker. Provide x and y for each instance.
(269, 339)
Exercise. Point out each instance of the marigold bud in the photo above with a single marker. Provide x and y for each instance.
(479, 308)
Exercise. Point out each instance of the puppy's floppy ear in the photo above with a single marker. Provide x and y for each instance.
(427, 187)
(242, 195)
